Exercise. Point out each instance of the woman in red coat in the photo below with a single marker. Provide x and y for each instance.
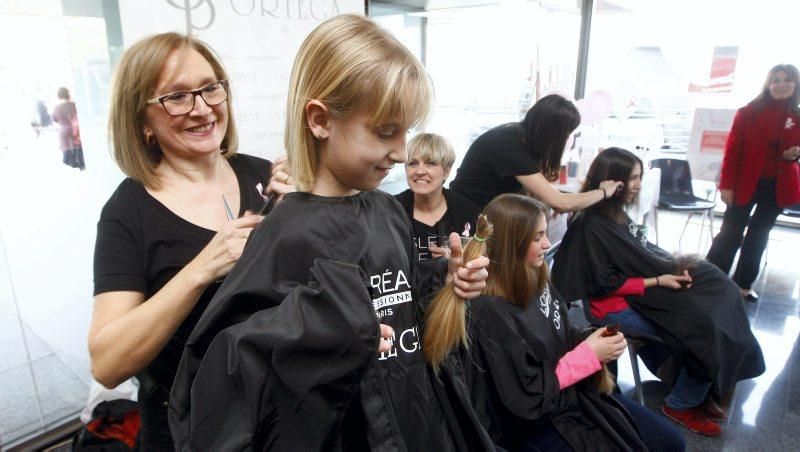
(760, 169)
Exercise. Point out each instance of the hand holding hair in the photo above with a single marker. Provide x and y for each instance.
(281, 180)
(610, 187)
(676, 282)
(445, 320)
(469, 279)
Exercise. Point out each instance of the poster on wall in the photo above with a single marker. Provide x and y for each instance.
(707, 140)
(256, 40)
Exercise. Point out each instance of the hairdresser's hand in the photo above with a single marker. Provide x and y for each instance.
(469, 280)
(281, 180)
(726, 196)
(387, 333)
(606, 348)
(793, 153)
(610, 187)
(224, 249)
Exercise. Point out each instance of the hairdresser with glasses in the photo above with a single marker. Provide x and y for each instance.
(165, 239)
(526, 156)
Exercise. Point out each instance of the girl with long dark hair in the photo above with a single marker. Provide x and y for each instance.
(692, 306)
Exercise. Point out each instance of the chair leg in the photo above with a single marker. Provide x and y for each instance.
(637, 380)
(654, 211)
(711, 224)
(685, 225)
(702, 227)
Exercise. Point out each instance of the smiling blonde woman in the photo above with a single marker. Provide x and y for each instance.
(435, 212)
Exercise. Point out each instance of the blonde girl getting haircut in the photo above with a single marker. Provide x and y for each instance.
(320, 317)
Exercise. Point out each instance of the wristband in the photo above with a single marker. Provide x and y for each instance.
(604, 194)
(658, 283)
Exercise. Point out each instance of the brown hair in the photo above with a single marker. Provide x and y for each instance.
(611, 164)
(514, 218)
(63, 93)
(546, 129)
(137, 74)
(350, 64)
(792, 72)
(445, 319)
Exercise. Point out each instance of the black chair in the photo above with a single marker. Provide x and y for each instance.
(676, 194)
(636, 340)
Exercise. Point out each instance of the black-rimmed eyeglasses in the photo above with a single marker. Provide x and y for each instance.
(182, 102)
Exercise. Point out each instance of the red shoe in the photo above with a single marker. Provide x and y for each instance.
(714, 411)
(694, 419)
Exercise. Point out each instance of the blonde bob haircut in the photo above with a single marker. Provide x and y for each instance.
(433, 148)
(351, 65)
(137, 75)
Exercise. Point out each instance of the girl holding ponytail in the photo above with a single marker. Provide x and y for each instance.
(525, 367)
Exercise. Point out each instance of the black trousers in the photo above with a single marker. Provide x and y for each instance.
(729, 239)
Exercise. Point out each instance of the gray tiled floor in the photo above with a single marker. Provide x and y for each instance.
(38, 387)
(61, 395)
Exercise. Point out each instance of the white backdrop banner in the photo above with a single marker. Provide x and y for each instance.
(710, 129)
(257, 41)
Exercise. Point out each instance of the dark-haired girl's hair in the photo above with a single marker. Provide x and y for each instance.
(546, 128)
(764, 96)
(611, 164)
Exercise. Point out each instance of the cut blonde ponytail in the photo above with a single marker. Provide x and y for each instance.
(445, 320)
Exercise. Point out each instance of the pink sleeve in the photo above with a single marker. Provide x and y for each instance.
(576, 365)
(632, 286)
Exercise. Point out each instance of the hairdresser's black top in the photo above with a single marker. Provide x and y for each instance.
(461, 216)
(492, 163)
(285, 356)
(510, 371)
(705, 326)
(141, 245)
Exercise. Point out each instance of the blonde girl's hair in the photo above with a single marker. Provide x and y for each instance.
(445, 319)
(351, 65)
(136, 78)
(514, 218)
(432, 147)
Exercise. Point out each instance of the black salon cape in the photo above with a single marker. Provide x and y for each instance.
(461, 216)
(285, 358)
(705, 327)
(510, 371)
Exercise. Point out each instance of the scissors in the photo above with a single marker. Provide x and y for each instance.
(228, 211)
